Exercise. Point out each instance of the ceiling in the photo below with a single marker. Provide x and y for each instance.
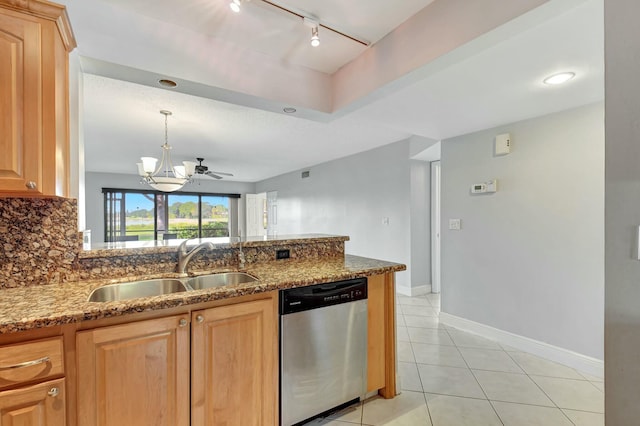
(490, 81)
(268, 30)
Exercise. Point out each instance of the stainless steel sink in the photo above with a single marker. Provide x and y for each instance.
(136, 289)
(216, 280)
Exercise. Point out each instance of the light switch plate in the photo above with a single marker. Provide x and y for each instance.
(455, 224)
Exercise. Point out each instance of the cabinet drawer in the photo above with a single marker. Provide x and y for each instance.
(29, 361)
(37, 405)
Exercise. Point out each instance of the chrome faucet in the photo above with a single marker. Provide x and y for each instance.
(184, 256)
(241, 258)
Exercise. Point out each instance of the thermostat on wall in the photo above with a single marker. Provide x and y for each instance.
(485, 187)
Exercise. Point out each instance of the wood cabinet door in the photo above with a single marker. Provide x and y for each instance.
(20, 103)
(234, 365)
(38, 405)
(134, 374)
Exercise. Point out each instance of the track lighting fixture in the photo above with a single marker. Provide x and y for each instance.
(315, 40)
(312, 22)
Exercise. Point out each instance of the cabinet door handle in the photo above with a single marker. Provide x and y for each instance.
(26, 363)
(53, 392)
(183, 322)
(199, 318)
(31, 185)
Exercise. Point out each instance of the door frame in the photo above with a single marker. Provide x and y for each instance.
(435, 227)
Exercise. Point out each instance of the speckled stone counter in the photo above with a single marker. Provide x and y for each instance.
(26, 308)
(126, 259)
(127, 248)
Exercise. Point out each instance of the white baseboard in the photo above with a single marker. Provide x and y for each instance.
(406, 290)
(566, 357)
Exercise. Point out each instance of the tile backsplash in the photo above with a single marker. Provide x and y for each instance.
(40, 244)
(39, 241)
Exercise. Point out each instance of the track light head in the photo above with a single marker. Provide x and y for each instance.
(315, 40)
(235, 5)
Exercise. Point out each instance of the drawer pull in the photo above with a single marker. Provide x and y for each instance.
(183, 322)
(200, 318)
(53, 392)
(26, 363)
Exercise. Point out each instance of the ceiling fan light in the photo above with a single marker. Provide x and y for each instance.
(141, 171)
(149, 164)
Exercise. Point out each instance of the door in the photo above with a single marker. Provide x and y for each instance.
(134, 374)
(272, 213)
(256, 214)
(38, 405)
(234, 365)
(435, 226)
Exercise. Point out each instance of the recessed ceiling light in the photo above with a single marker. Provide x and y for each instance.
(167, 83)
(559, 78)
(289, 110)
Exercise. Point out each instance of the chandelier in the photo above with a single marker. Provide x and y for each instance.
(166, 177)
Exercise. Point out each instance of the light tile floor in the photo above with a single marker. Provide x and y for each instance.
(453, 378)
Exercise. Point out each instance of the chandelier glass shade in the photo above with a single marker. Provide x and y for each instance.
(165, 177)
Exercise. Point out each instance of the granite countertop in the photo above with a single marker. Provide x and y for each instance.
(32, 307)
(127, 248)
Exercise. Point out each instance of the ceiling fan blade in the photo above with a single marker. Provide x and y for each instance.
(222, 173)
(213, 175)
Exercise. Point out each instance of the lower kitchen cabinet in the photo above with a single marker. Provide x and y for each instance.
(235, 365)
(134, 374)
(37, 405)
(223, 370)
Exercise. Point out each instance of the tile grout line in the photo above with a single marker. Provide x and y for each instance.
(424, 394)
(475, 378)
(542, 390)
(449, 333)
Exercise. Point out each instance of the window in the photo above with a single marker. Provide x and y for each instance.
(150, 215)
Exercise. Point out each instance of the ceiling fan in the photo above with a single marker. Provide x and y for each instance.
(204, 170)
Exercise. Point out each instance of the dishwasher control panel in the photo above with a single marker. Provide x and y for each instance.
(319, 295)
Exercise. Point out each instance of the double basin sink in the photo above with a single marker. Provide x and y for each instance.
(161, 286)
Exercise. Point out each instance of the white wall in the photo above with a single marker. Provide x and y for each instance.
(94, 183)
(529, 258)
(352, 196)
(622, 208)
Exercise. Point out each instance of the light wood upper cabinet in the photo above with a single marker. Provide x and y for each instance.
(134, 374)
(235, 365)
(38, 405)
(35, 38)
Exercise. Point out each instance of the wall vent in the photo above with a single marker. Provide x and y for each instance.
(305, 174)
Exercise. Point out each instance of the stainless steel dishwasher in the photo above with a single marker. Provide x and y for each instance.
(323, 348)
